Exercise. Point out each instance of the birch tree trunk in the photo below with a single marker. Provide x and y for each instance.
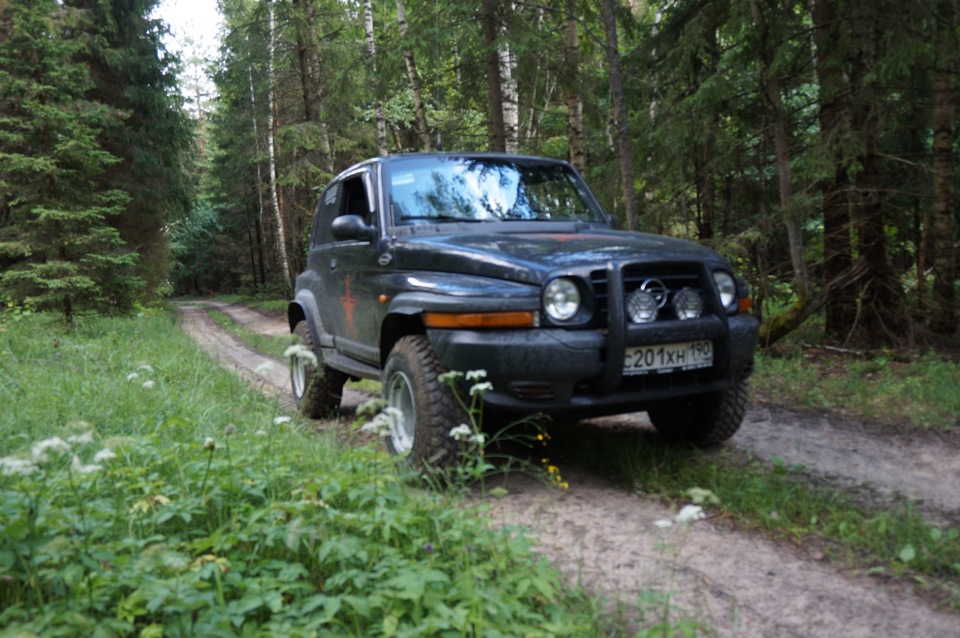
(498, 140)
(420, 112)
(620, 113)
(572, 95)
(372, 52)
(510, 93)
(271, 151)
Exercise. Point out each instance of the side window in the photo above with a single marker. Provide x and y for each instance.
(327, 208)
(354, 199)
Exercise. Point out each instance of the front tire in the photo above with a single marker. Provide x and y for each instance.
(704, 420)
(316, 388)
(427, 407)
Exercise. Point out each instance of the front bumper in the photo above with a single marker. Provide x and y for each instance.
(555, 370)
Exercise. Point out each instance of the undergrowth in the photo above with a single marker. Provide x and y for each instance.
(145, 491)
(902, 392)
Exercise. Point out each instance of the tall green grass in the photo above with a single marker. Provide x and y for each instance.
(145, 491)
(920, 392)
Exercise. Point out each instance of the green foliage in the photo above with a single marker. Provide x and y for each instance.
(919, 391)
(144, 491)
(148, 134)
(57, 246)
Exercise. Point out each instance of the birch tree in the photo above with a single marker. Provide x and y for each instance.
(271, 147)
(372, 52)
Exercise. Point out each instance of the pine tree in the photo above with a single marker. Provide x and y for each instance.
(57, 249)
(150, 132)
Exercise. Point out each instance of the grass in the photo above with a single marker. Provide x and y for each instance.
(275, 346)
(145, 491)
(266, 344)
(905, 392)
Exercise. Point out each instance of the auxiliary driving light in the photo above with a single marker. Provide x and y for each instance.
(687, 304)
(641, 307)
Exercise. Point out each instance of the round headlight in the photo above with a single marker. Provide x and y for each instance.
(727, 288)
(561, 299)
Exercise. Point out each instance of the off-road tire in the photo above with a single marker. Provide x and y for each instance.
(704, 420)
(316, 388)
(411, 384)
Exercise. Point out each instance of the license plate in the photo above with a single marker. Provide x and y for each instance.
(668, 357)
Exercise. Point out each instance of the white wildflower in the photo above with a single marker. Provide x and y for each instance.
(263, 367)
(690, 513)
(476, 375)
(260, 432)
(86, 437)
(301, 352)
(145, 367)
(700, 496)
(462, 432)
(280, 420)
(77, 466)
(105, 454)
(393, 413)
(449, 377)
(132, 376)
(209, 443)
(381, 424)
(370, 406)
(664, 523)
(149, 384)
(10, 465)
(480, 388)
(480, 438)
(55, 444)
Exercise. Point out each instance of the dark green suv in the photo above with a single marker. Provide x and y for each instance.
(424, 263)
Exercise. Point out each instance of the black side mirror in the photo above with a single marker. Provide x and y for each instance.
(346, 227)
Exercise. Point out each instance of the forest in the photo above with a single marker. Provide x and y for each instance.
(812, 142)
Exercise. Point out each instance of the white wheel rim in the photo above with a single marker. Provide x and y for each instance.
(399, 395)
(298, 376)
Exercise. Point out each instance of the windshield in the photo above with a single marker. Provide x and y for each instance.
(441, 189)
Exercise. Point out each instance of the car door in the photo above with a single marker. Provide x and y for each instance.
(347, 268)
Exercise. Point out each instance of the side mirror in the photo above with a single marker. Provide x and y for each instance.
(346, 227)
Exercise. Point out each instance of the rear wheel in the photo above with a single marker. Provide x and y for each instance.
(428, 410)
(317, 388)
(704, 420)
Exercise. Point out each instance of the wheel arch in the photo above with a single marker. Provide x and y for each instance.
(400, 323)
(304, 308)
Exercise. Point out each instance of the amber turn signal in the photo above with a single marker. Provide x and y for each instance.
(745, 304)
(518, 319)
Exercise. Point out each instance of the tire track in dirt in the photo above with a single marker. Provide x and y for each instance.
(607, 540)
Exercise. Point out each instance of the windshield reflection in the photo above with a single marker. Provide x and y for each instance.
(441, 189)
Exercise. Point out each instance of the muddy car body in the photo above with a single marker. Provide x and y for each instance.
(431, 262)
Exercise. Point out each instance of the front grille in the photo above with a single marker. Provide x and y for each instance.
(673, 278)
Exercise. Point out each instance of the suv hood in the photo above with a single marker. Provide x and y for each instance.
(530, 256)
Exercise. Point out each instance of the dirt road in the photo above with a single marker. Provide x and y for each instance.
(739, 584)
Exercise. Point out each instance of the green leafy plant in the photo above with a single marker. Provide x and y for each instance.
(145, 491)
